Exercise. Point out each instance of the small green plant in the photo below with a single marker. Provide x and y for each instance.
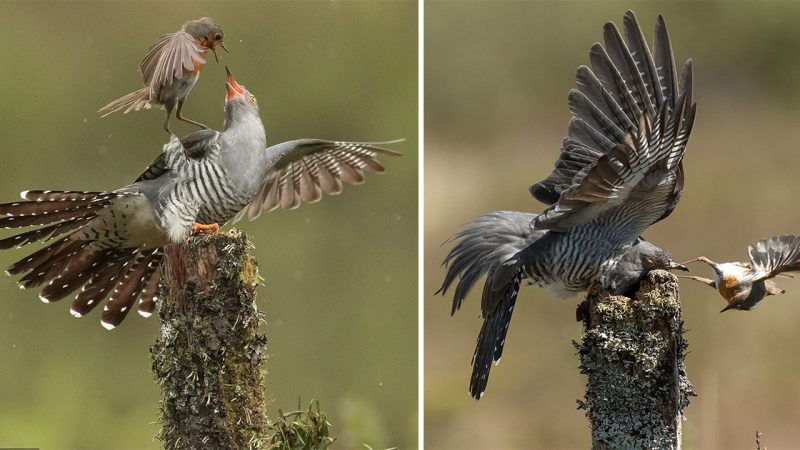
(301, 430)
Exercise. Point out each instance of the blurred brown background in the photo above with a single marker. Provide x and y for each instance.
(496, 82)
(340, 289)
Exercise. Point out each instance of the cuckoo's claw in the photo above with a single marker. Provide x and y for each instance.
(199, 228)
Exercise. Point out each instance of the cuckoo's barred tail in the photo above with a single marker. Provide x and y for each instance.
(482, 247)
(492, 337)
(74, 262)
(490, 245)
(136, 100)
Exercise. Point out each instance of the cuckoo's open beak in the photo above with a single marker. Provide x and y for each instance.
(234, 89)
(676, 266)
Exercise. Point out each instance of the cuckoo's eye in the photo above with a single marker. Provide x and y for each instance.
(252, 99)
(648, 262)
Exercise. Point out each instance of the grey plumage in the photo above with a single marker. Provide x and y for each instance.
(619, 171)
(109, 245)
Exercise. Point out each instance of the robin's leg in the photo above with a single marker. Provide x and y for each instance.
(168, 108)
(702, 259)
(199, 228)
(179, 116)
(700, 279)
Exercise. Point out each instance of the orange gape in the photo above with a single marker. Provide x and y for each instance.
(727, 287)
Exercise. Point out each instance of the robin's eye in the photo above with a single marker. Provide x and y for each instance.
(218, 37)
(648, 263)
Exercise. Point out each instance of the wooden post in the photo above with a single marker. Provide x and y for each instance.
(210, 356)
(633, 354)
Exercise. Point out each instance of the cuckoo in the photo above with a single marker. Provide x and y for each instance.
(109, 245)
(620, 170)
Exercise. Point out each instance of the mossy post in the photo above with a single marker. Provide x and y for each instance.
(633, 354)
(209, 358)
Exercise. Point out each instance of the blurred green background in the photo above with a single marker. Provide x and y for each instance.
(341, 276)
(496, 83)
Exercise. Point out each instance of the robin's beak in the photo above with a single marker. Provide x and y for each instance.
(727, 308)
(214, 51)
(234, 90)
(676, 266)
(222, 44)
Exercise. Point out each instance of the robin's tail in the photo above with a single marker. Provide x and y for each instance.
(134, 101)
(490, 245)
(84, 255)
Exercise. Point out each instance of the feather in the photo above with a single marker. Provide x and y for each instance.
(643, 60)
(125, 292)
(665, 62)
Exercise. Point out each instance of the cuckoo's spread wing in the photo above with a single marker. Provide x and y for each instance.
(631, 121)
(772, 256)
(168, 58)
(302, 170)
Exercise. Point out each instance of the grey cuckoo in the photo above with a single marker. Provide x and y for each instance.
(171, 68)
(110, 244)
(744, 284)
(620, 171)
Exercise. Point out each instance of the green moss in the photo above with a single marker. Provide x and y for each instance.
(301, 430)
(210, 356)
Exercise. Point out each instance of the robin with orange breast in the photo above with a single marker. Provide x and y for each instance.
(743, 285)
(171, 68)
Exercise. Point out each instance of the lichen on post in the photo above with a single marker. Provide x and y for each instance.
(633, 354)
(209, 358)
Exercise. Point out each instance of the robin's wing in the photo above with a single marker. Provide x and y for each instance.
(625, 83)
(772, 256)
(168, 58)
(628, 134)
(303, 170)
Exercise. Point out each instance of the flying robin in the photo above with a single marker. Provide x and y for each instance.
(110, 244)
(171, 68)
(620, 170)
(744, 284)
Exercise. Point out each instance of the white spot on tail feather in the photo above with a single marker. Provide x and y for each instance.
(106, 325)
(43, 299)
(75, 313)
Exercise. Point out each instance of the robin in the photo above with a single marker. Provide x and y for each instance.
(620, 170)
(171, 68)
(110, 244)
(744, 284)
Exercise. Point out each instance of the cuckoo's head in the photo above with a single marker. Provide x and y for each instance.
(241, 109)
(238, 98)
(207, 33)
(642, 258)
